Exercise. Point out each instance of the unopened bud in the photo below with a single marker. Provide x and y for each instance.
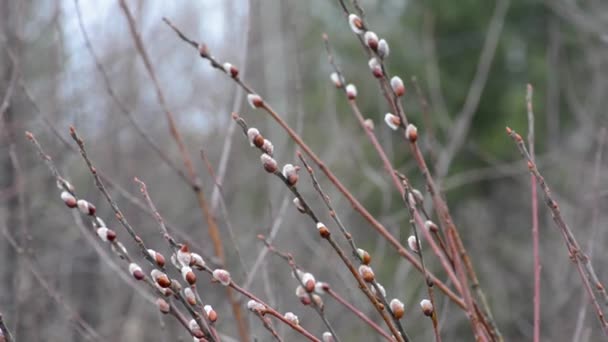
(211, 314)
(222, 276)
(303, 295)
(427, 307)
(299, 206)
(255, 138)
(163, 306)
(375, 67)
(392, 121)
(328, 337)
(190, 297)
(188, 275)
(68, 199)
(158, 258)
(397, 86)
(160, 278)
(195, 329)
(86, 207)
(397, 308)
(371, 40)
(336, 80)
(366, 273)
(197, 261)
(291, 317)
(369, 124)
(309, 282)
(356, 24)
(183, 255)
(430, 225)
(321, 287)
(106, 234)
(323, 231)
(412, 242)
(255, 306)
(318, 301)
(203, 50)
(366, 259)
(255, 100)
(270, 165)
(136, 271)
(351, 91)
(290, 173)
(411, 132)
(382, 290)
(267, 147)
(383, 48)
(231, 70)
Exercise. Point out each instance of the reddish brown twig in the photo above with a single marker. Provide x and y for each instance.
(577, 255)
(411, 207)
(268, 325)
(535, 233)
(357, 313)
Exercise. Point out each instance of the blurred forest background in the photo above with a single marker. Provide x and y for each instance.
(472, 60)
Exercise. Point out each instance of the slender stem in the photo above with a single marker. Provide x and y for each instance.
(268, 325)
(358, 313)
(429, 283)
(535, 233)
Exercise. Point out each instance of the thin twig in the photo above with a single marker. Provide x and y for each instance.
(357, 312)
(411, 207)
(268, 325)
(535, 233)
(577, 255)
